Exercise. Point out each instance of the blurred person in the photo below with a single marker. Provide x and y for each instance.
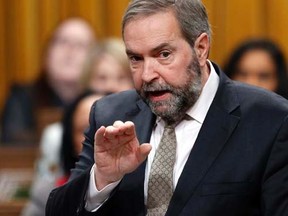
(106, 64)
(107, 68)
(106, 71)
(61, 144)
(57, 85)
(75, 122)
(259, 62)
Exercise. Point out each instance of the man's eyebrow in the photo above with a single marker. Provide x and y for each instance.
(156, 49)
(160, 47)
(130, 53)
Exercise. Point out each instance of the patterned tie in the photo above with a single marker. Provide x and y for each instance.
(160, 184)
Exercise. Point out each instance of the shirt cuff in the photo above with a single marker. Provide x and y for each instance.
(96, 198)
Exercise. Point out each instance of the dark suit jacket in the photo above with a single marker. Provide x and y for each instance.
(237, 167)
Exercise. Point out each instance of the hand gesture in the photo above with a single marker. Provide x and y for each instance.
(117, 152)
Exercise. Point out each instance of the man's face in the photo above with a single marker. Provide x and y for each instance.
(164, 67)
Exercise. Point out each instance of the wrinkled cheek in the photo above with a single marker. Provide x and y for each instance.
(137, 83)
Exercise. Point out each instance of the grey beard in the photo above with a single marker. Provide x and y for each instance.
(183, 97)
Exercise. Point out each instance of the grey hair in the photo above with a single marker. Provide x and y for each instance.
(191, 15)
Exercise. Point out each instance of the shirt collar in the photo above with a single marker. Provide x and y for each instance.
(200, 109)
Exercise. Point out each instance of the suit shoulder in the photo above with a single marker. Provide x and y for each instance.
(260, 98)
(116, 106)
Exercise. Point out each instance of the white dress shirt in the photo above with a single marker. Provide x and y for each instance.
(186, 134)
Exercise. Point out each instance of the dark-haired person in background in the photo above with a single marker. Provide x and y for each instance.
(75, 121)
(224, 150)
(259, 62)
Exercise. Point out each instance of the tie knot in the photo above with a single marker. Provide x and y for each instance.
(174, 124)
(170, 126)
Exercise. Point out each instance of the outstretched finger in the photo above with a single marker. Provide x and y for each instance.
(111, 132)
(143, 152)
(129, 128)
(118, 124)
(99, 135)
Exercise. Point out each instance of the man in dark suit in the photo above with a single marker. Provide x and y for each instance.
(232, 149)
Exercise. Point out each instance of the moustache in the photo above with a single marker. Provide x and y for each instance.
(152, 87)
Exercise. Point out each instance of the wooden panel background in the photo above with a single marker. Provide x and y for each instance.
(25, 25)
(237, 20)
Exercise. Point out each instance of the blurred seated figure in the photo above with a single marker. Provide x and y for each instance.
(107, 68)
(57, 159)
(75, 122)
(106, 71)
(50, 143)
(259, 62)
(27, 107)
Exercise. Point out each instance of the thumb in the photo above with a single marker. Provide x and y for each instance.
(143, 151)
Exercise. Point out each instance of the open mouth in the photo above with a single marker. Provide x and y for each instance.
(158, 95)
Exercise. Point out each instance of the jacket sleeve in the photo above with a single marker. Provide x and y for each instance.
(69, 199)
(275, 180)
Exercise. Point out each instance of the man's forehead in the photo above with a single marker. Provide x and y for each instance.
(162, 17)
(157, 28)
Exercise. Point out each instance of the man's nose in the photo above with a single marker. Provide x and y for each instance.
(149, 72)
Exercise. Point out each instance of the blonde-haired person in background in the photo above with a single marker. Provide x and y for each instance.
(107, 68)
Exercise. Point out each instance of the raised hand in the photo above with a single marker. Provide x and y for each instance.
(117, 152)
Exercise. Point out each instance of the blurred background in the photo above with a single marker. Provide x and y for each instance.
(27, 25)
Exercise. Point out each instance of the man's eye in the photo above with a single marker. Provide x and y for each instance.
(164, 54)
(134, 58)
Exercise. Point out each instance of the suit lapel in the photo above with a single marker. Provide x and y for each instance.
(144, 121)
(219, 123)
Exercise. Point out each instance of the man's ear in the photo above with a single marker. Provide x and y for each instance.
(201, 47)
